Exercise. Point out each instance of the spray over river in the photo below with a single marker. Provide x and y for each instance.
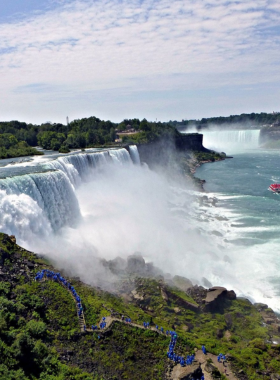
(85, 206)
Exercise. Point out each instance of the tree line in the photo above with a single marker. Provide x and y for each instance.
(246, 120)
(79, 134)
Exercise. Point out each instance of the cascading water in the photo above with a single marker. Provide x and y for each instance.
(40, 203)
(120, 156)
(134, 154)
(78, 167)
(231, 141)
(51, 196)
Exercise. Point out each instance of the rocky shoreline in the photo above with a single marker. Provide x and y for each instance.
(192, 163)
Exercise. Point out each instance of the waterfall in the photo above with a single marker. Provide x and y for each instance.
(39, 203)
(78, 167)
(120, 156)
(134, 154)
(230, 141)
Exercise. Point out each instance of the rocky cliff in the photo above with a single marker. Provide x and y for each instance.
(166, 152)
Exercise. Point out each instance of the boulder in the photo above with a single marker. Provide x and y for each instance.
(186, 373)
(260, 306)
(231, 295)
(13, 238)
(216, 297)
(177, 310)
(212, 369)
(118, 264)
(135, 264)
(198, 293)
(164, 294)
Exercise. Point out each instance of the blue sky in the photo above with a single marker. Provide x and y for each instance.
(14, 9)
(131, 58)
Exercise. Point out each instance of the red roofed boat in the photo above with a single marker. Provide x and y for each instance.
(275, 187)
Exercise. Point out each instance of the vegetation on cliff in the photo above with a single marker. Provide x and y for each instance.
(11, 147)
(82, 133)
(40, 337)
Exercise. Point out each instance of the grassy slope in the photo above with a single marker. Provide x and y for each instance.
(40, 339)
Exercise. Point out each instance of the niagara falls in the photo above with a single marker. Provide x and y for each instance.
(139, 190)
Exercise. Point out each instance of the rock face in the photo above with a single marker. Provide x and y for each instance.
(190, 141)
(182, 302)
(165, 151)
(216, 297)
(136, 264)
(186, 373)
(198, 293)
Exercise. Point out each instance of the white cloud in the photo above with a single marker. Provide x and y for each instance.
(95, 45)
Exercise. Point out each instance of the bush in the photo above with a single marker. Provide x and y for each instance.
(36, 329)
(64, 149)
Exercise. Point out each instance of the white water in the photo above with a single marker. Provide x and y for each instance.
(134, 154)
(49, 197)
(101, 205)
(231, 141)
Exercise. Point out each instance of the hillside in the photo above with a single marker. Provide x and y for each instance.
(41, 337)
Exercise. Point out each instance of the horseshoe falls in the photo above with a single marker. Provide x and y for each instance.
(231, 141)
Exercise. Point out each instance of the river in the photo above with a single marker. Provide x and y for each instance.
(251, 233)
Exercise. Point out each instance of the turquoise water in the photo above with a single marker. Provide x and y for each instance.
(251, 234)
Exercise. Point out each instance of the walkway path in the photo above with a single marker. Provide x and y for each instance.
(202, 359)
(178, 370)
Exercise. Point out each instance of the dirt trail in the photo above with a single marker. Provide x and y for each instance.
(202, 360)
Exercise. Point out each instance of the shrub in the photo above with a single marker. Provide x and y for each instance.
(36, 329)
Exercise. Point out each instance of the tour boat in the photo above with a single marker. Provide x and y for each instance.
(275, 187)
